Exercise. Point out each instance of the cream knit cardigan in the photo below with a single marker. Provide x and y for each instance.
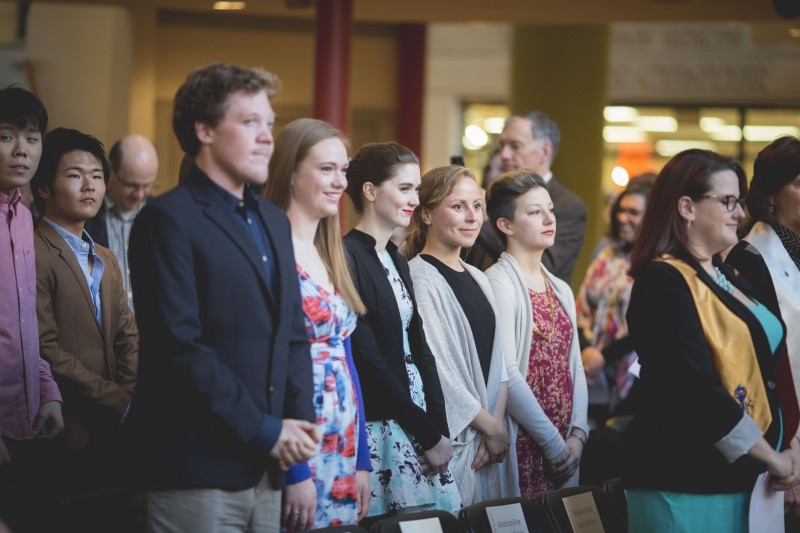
(516, 325)
(786, 280)
(450, 339)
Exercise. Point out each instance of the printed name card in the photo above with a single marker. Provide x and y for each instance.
(425, 525)
(583, 514)
(507, 519)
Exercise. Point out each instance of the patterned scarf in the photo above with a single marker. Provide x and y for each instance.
(790, 240)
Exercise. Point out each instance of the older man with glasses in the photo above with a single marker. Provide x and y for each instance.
(134, 174)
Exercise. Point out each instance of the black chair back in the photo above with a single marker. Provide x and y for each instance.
(475, 518)
(613, 487)
(448, 522)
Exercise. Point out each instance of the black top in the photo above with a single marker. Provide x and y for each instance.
(475, 306)
(683, 409)
(751, 265)
(377, 344)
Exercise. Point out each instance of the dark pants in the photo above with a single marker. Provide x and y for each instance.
(47, 488)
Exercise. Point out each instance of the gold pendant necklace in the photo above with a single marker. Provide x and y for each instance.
(548, 336)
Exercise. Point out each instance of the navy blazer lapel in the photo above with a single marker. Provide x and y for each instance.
(223, 217)
(68, 256)
(270, 221)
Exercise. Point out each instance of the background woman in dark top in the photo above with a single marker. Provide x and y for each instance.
(710, 417)
(406, 421)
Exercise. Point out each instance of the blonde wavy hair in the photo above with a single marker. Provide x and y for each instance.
(436, 185)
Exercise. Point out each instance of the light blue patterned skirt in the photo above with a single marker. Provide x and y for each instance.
(396, 481)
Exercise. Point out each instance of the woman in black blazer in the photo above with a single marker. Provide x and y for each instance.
(406, 422)
(714, 411)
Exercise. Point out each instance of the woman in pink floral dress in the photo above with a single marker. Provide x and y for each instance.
(546, 383)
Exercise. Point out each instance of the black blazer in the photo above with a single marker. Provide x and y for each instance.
(682, 409)
(755, 271)
(570, 226)
(378, 353)
(220, 354)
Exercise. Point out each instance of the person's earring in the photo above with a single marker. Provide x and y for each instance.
(688, 224)
(771, 208)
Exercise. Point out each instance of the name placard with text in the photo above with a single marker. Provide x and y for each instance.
(583, 514)
(507, 518)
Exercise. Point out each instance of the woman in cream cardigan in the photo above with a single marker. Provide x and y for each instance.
(547, 394)
(457, 310)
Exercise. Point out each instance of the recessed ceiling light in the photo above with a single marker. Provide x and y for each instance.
(656, 123)
(769, 133)
(670, 147)
(229, 6)
(616, 113)
(620, 176)
(623, 134)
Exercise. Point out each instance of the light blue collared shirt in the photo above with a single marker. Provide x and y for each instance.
(83, 248)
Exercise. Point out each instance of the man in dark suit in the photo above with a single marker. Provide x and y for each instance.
(224, 399)
(530, 140)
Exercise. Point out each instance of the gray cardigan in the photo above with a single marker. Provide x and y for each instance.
(450, 338)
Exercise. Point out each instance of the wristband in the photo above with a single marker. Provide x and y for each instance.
(576, 436)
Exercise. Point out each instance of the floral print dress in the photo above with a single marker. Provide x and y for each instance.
(601, 306)
(329, 321)
(396, 480)
(551, 382)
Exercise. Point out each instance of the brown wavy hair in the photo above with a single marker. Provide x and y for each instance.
(203, 97)
(663, 229)
(292, 146)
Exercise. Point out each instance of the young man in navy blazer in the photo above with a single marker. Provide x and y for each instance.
(224, 399)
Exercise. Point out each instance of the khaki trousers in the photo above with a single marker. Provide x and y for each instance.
(254, 510)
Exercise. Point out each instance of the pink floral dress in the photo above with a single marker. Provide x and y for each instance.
(329, 321)
(551, 382)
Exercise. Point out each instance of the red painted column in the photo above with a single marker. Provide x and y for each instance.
(411, 39)
(332, 69)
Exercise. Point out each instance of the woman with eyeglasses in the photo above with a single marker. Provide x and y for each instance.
(769, 256)
(712, 413)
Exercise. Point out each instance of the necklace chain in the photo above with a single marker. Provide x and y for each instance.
(550, 302)
(722, 281)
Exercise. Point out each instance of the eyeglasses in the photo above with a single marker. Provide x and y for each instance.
(131, 187)
(728, 200)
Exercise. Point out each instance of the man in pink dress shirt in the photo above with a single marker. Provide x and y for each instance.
(30, 403)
